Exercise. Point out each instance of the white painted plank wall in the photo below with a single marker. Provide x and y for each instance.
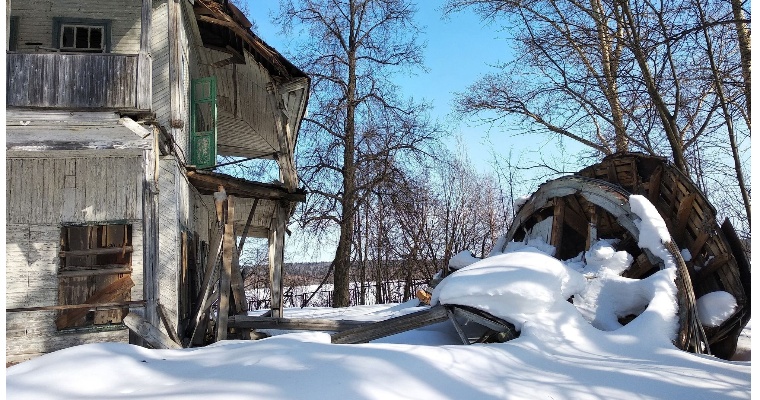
(72, 190)
(41, 195)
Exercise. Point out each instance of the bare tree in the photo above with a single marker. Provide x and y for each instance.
(351, 49)
(666, 78)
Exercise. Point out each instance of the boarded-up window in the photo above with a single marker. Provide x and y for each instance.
(95, 268)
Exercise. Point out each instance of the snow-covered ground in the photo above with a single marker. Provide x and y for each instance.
(564, 351)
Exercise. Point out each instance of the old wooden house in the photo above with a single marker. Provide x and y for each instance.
(116, 113)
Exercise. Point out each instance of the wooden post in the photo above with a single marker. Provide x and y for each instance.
(225, 273)
(144, 82)
(150, 234)
(276, 245)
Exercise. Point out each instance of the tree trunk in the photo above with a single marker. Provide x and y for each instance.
(348, 202)
(744, 50)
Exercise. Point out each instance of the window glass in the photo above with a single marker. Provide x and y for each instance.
(82, 38)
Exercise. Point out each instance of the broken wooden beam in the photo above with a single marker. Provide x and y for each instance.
(377, 330)
(89, 307)
(303, 324)
(148, 332)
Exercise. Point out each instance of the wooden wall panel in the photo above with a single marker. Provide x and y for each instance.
(160, 54)
(72, 190)
(42, 194)
(25, 332)
(36, 21)
(169, 238)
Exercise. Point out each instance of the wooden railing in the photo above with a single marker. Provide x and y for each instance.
(78, 81)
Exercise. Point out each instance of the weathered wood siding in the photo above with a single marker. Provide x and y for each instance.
(247, 107)
(36, 21)
(51, 191)
(42, 194)
(160, 53)
(169, 238)
(71, 80)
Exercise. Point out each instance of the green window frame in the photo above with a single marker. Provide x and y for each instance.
(203, 122)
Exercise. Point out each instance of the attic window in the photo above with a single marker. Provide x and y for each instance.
(95, 268)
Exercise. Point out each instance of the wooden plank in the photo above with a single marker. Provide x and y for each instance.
(172, 332)
(305, 324)
(558, 223)
(108, 294)
(244, 189)
(144, 84)
(226, 272)
(699, 242)
(244, 235)
(407, 322)
(96, 251)
(741, 259)
(149, 332)
(457, 326)
(682, 216)
(150, 235)
(715, 263)
(95, 272)
(206, 286)
(89, 307)
(654, 185)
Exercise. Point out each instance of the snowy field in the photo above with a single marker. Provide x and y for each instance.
(564, 351)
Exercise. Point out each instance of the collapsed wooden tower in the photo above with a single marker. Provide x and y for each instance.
(593, 204)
